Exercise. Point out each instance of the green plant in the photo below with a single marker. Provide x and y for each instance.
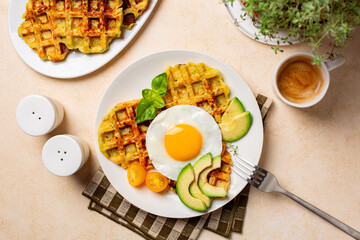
(310, 21)
(152, 99)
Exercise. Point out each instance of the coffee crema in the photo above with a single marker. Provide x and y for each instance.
(300, 81)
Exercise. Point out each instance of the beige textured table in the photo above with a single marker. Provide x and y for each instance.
(315, 153)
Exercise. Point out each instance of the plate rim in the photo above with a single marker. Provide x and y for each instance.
(271, 42)
(98, 153)
(42, 69)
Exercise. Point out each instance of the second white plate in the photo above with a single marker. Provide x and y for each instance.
(76, 64)
(248, 27)
(129, 84)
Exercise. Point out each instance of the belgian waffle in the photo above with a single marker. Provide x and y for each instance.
(132, 10)
(37, 31)
(90, 26)
(199, 85)
(87, 25)
(221, 177)
(123, 141)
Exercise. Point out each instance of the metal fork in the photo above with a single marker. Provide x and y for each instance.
(267, 182)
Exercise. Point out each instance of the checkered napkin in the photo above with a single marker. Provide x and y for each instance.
(105, 200)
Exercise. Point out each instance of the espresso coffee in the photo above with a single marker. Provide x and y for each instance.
(300, 81)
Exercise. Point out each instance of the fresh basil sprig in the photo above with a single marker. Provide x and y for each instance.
(152, 99)
(151, 96)
(145, 111)
(159, 84)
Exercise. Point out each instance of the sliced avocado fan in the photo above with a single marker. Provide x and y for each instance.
(204, 162)
(235, 108)
(205, 187)
(185, 178)
(236, 128)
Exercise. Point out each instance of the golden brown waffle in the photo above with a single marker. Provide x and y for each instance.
(199, 85)
(221, 177)
(123, 141)
(37, 31)
(87, 25)
(90, 26)
(132, 10)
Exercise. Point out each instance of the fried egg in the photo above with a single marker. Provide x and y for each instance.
(181, 135)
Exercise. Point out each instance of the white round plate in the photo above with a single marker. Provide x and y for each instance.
(129, 84)
(248, 27)
(76, 64)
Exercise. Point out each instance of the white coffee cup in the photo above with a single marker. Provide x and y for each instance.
(326, 67)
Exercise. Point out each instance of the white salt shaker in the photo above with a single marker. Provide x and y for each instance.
(38, 115)
(63, 155)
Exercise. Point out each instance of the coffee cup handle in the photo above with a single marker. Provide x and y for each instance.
(334, 63)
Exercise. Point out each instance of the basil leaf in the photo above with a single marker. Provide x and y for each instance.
(159, 84)
(154, 98)
(145, 111)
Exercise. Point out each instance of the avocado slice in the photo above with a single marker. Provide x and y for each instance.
(204, 162)
(235, 108)
(236, 128)
(205, 187)
(185, 178)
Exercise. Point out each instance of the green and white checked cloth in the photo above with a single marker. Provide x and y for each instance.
(105, 200)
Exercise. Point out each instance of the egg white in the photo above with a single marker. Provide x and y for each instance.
(181, 114)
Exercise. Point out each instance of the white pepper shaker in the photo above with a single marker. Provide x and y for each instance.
(38, 115)
(63, 155)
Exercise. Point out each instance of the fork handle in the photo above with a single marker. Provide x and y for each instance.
(347, 229)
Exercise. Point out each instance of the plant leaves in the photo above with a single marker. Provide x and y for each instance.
(154, 98)
(145, 111)
(159, 84)
(312, 22)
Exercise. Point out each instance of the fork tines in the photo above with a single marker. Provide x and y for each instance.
(250, 172)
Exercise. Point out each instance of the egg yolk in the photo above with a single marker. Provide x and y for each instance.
(183, 142)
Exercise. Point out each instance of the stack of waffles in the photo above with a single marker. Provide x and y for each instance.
(53, 27)
(123, 141)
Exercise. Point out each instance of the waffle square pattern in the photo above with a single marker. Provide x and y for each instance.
(53, 27)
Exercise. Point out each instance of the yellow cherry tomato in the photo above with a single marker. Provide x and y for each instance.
(136, 174)
(156, 182)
